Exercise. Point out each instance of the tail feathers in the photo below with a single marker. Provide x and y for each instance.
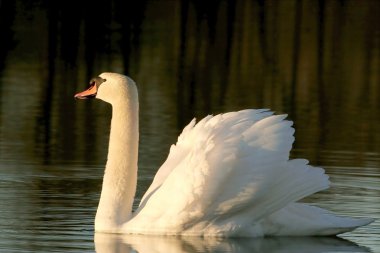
(299, 219)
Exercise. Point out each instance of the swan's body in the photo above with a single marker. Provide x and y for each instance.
(228, 175)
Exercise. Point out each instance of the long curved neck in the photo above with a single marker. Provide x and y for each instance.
(120, 177)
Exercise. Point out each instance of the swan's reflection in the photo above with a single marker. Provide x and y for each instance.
(107, 243)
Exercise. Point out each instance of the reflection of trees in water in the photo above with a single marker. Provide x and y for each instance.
(317, 60)
(7, 42)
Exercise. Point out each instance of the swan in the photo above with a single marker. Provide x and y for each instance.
(228, 175)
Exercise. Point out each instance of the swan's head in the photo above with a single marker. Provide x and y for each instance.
(109, 87)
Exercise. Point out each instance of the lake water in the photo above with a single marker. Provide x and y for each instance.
(317, 61)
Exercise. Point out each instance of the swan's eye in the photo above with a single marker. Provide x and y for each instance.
(97, 81)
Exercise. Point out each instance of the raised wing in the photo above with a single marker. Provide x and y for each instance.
(194, 137)
(225, 173)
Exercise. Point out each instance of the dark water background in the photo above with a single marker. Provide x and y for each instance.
(318, 61)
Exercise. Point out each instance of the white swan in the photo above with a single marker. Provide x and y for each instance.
(228, 175)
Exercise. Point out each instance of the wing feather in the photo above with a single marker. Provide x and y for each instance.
(226, 172)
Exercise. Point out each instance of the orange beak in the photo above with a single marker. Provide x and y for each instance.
(89, 93)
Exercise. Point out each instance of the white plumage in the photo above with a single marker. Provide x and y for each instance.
(227, 175)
